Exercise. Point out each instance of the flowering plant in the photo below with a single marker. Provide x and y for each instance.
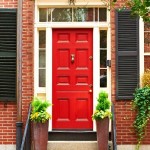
(39, 110)
(103, 107)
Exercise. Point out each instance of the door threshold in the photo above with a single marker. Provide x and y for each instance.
(69, 135)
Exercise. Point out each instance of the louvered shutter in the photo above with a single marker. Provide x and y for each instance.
(127, 50)
(8, 24)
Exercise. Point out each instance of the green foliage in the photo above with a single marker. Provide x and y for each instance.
(141, 104)
(138, 7)
(39, 110)
(146, 78)
(103, 107)
(141, 8)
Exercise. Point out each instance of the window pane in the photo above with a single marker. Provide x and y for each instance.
(103, 77)
(83, 14)
(102, 14)
(42, 39)
(62, 15)
(42, 59)
(103, 38)
(49, 15)
(42, 77)
(103, 58)
(43, 14)
(96, 14)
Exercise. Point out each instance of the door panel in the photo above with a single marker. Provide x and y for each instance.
(72, 79)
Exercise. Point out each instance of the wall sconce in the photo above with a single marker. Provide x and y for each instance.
(71, 2)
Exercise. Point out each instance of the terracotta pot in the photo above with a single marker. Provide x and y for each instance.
(40, 135)
(102, 127)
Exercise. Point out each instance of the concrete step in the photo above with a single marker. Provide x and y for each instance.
(75, 145)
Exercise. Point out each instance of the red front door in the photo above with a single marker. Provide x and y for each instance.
(72, 79)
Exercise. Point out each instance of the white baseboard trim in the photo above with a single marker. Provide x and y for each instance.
(132, 147)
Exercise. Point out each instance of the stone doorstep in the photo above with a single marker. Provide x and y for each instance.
(74, 145)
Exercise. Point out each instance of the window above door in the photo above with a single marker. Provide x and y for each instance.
(73, 14)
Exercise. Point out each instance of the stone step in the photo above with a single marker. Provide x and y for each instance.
(75, 145)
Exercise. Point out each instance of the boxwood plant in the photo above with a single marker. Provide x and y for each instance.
(103, 107)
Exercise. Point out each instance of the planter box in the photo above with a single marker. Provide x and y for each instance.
(102, 127)
(40, 135)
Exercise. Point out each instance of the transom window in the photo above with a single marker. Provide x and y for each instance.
(72, 14)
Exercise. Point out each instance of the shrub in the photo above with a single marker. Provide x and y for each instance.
(39, 110)
(103, 107)
(146, 78)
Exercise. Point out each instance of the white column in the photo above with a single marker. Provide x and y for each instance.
(141, 47)
(96, 66)
(109, 58)
(49, 70)
(36, 61)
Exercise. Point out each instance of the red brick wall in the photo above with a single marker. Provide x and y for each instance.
(147, 62)
(147, 37)
(27, 55)
(8, 112)
(124, 115)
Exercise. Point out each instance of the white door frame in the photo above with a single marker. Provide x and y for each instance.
(48, 26)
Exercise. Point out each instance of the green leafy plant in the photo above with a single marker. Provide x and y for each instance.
(138, 7)
(141, 104)
(39, 110)
(146, 78)
(103, 107)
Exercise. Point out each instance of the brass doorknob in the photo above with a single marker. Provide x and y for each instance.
(90, 91)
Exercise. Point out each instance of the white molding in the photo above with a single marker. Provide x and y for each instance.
(36, 15)
(36, 61)
(96, 66)
(71, 24)
(141, 47)
(49, 70)
(109, 57)
(41, 89)
(147, 54)
(85, 3)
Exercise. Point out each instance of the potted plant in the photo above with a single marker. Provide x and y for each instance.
(102, 115)
(40, 116)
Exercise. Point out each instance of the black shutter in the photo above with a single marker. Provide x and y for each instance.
(127, 58)
(8, 25)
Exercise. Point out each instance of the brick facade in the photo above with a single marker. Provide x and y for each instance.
(124, 115)
(8, 111)
(147, 37)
